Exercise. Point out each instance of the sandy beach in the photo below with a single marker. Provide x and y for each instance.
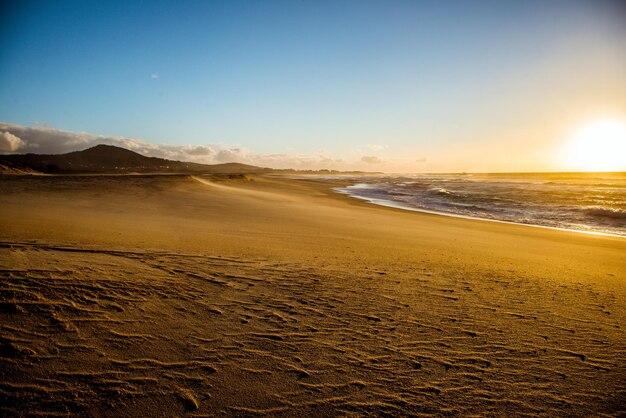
(168, 295)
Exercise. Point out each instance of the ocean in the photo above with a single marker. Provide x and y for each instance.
(589, 202)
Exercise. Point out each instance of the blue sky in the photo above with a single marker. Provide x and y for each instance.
(397, 80)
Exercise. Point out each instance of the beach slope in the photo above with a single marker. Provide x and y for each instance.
(251, 295)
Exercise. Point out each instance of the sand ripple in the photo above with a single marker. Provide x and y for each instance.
(141, 333)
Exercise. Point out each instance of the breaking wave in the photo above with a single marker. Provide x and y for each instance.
(606, 213)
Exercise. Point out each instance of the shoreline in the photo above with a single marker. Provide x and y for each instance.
(398, 205)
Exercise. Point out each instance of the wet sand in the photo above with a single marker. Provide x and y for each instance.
(172, 295)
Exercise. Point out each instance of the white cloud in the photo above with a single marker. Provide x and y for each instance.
(10, 142)
(370, 159)
(200, 150)
(154, 76)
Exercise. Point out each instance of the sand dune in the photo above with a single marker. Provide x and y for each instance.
(172, 295)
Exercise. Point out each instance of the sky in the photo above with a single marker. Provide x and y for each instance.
(397, 86)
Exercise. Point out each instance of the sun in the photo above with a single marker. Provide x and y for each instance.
(597, 146)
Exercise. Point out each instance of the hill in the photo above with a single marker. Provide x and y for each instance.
(109, 159)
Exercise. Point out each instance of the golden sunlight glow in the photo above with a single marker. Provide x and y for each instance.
(597, 146)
